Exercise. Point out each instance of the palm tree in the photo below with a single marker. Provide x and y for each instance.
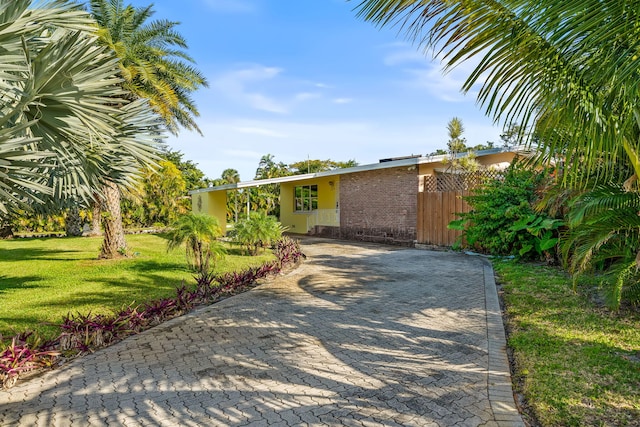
(199, 233)
(231, 176)
(568, 70)
(604, 234)
(59, 130)
(153, 62)
(154, 66)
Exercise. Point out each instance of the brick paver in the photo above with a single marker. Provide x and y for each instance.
(359, 335)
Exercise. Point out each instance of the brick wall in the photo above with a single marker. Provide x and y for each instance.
(379, 205)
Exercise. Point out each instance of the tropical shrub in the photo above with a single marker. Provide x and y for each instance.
(604, 237)
(257, 231)
(199, 233)
(503, 221)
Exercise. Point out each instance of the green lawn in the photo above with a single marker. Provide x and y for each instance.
(41, 280)
(577, 363)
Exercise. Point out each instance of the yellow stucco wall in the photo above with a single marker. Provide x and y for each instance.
(213, 203)
(328, 197)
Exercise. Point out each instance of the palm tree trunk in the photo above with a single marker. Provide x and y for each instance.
(96, 210)
(6, 230)
(114, 244)
(73, 222)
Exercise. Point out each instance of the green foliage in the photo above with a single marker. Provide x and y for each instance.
(604, 236)
(159, 198)
(456, 143)
(543, 230)
(199, 233)
(502, 220)
(316, 165)
(257, 231)
(59, 129)
(152, 61)
(192, 175)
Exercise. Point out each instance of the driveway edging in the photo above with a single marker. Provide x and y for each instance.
(500, 387)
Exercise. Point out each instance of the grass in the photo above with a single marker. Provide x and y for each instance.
(577, 363)
(41, 280)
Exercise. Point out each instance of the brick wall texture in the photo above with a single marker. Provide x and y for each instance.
(379, 205)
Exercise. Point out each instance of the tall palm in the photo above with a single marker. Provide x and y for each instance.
(154, 66)
(153, 61)
(58, 126)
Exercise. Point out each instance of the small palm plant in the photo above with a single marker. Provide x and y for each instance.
(199, 233)
(604, 231)
(257, 231)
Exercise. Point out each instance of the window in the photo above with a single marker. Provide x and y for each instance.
(306, 198)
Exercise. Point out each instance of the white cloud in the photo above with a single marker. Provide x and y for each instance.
(261, 88)
(342, 100)
(303, 96)
(430, 75)
(236, 85)
(403, 57)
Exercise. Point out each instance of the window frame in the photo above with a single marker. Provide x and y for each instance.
(305, 198)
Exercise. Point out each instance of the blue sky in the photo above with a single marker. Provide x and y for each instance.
(307, 78)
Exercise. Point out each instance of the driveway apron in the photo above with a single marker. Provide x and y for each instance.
(358, 335)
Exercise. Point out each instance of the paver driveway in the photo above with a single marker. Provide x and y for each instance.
(358, 335)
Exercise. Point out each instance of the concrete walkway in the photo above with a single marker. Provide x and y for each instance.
(359, 335)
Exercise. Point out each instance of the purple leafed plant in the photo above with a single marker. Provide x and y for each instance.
(19, 357)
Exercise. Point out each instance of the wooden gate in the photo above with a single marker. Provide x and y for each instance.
(435, 211)
(442, 199)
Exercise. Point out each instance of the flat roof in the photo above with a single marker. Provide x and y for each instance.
(384, 164)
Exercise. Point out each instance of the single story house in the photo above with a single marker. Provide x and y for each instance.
(375, 202)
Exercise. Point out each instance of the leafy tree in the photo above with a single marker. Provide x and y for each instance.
(266, 197)
(60, 132)
(153, 66)
(199, 233)
(159, 198)
(153, 61)
(313, 166)
(268, 168)
(192, 175)
(234, 204)
(604, 235)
